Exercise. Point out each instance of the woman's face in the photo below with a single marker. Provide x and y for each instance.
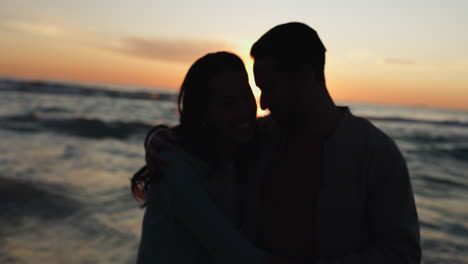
(232, 108)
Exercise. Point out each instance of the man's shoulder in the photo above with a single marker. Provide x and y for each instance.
(381, 151)
(374, 135)
(379, 142)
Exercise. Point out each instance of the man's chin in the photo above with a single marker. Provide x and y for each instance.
(287, 121)
(280, 117)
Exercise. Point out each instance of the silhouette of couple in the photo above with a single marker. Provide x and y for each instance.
(309, 183)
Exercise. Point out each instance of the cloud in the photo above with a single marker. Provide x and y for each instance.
(54, 30)
(397, 61)
(37, 28)
(363, 56)
(175, 50)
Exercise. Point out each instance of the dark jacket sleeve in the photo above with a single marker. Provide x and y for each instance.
(391, 218)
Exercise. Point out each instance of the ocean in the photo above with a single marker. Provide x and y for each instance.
(68, 150)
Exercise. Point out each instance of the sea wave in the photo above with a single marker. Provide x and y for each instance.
(72, 125)
(77, 89)
(21, 198)
(456, 123)
(41, 223)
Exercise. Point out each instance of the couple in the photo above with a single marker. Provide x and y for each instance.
(310, 183)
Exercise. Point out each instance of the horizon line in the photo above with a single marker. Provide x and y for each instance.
(130, 86)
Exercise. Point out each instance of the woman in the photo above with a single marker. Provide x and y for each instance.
(194, 199)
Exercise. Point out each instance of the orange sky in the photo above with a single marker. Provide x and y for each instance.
(388, 65)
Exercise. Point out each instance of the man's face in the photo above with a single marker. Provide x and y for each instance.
(279, 89)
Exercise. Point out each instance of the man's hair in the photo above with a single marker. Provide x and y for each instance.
(292, 45)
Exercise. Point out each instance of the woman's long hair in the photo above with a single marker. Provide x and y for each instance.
(193, 133)
(194, 98)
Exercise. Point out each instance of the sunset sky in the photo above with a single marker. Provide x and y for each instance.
(398, 52)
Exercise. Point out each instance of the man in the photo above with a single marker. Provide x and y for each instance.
(331, 187)
(338, 189)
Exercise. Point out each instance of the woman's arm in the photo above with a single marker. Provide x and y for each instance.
(194, 208)
(163, 239)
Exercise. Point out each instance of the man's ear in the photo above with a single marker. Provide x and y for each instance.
(309, 71)
(307, 75)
